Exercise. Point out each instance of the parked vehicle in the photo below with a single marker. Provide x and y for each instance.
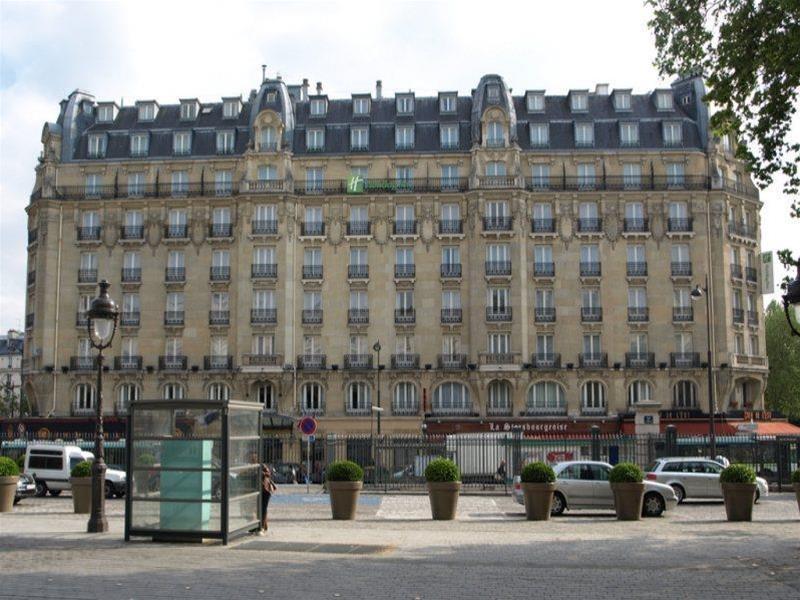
(694, 477)
(285, 472)
(584, 484)
(51, 464)
(26, 487)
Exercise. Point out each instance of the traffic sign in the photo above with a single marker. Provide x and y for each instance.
(307, 425)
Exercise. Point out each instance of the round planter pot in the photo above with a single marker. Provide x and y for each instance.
(81, 494)
(8, 489)
(344, 499)
(739, 499)
(628, 498)
(797, 493)
(538, 500)
(444, 499)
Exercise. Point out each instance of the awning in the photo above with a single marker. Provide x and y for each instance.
(776, 428)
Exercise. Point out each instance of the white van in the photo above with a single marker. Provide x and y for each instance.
(51, 465)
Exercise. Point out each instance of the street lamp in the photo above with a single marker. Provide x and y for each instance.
(792, 298)
(102, 324)
(377, 347)
(696, 294)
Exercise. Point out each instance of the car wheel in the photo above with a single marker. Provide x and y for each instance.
(54, 492)
(119, 494)
(41, 489)
(653, 505)
(16, 501)
(679, 492)
(109, 490)
(559, 504)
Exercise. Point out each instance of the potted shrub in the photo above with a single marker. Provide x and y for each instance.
(345, 479)
(739, 491)
(81, 482)
(538, 485)
(796, 484)
(9, 476)
(628, 489)
(444, 483)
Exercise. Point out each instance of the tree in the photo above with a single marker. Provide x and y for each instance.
(783, 353)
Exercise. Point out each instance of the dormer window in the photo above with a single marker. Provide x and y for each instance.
(182, 143)
(315, 139)
(319, 106)
(272, 97)
(359, 138)
(493, 93)
(361, 106)
(540, 135)
(579, 101)
(269, 139)
(139, 144)
(622, 100)
(230, 108)
(188, 110)
(664, 100)
(673, 133)
(404, 137)
(447, 103)
(584, 134)
(405, 104)
(534, 101)
(495, 137)
(106, 113)
(97, 145)
(629, 133)
(448, 136)
(147, 111)
(225, 141)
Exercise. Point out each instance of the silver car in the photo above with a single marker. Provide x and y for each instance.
(695, 477)
(584, 484)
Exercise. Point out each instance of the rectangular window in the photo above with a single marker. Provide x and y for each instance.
(267, 173)
(584, 134)
(629, 133)
(105, 114)
(632, 175)
(447, 103)
(361, 106)
(664, 100)
(448, 136)
(179, 183)
(449, 176)
(405, 104)
(586, 175)
(493, 94)
(499, 343)
(622, 101)
(147, 111)
(230, 109)
(188, 111)
(182, 142)
(314, 180)
(496, 168)
(225, 142)
(264, 299)
(540, 135)
(636, 253)
(176, 259)
(359, 138)
(673, 133)
(404, 137)
(591, 344)
(139, 144)
(675, 177)
(358, 257)
(318, 107)
(223, 183)
(93, 184)
(534, 101)
(451, 255)
(315, 139)
(540, 176)
(221, 216)
(97, 145)
(579, 101)
(263, 345)
(136, 184)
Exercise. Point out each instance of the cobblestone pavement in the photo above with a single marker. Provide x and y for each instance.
(394, 550)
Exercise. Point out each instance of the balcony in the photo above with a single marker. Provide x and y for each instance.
(132, 275)
(497, 223)
(129, 318)
(132, 232)
(590, 269)
(263, 315)
(499, 358)
(679, 225)
(220, 274)
(220, 230)
(450, 316)
(358, 361)
(751, 274)
(218, 362)
(89, 234)
(358, 271)
(311, 362)
(498, 268)
(264, 226)
(82, 411)
(738, 315)
(262, 360)
(543, 225)
(736, 271)
(593, 360)
(312, 316)
(450, 270)
(87, 275)
(172, 362)
(590, 225)
(83, 363)
(358, 228)
(681, 269)
(81, 320)
(127, 363)
(451, 362)
(312, 229)
(405, 271)
(544, 314)
(405, 409)
(593, 411)
(497, 182)
(176, 232)
(264, 271)
(405, 316)
(638, 314)
(636, 269)
(591, 314)
(742, 229)
(404, 227)
(640, 360)
(498, 314)
(546, 360)
(635, 225)
(451, 227)
(173, 318)
(684, 360)
(405, 361)
(175, 274)
(544, 269)
(358, 316)
(752, 317)
(312, 271)
(219, 317)
(683, 314)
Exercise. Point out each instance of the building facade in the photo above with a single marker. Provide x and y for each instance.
(526, 258)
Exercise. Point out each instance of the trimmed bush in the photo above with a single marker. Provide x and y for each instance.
(442, 469)
(8, 467)
(146, 460)
(626, 473)
(796, 476)
(344, 470)
(538, 472)
(737, 474)
(82, 469)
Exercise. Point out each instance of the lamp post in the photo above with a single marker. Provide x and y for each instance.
(696, 294)
(102, 324)
(377, 348)
(792, 298)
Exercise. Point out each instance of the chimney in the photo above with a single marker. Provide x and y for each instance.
(304, 87)
(263, 73)
(319, 88)
(601, 89)
(378, 89)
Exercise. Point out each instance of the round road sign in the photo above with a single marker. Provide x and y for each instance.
(308, 425)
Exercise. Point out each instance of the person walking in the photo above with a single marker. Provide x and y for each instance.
(500, 476)
(267, 488)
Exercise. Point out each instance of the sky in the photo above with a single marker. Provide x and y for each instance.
(168, 50)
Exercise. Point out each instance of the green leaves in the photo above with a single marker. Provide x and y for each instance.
(442, 469)
(626, 473)
(8, 467)
(737, 473)
(783, 353)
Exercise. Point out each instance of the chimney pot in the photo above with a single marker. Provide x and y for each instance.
(304, 90)
(379, 89)
(319, 87)
(601, 89)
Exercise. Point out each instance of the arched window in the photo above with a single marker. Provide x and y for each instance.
(451, 398)
(219, 391)
(84, 398)
(173, 391)
(494, 133)
(499, 398)
(684, 394)
(313, 398)
(593, 397)
(266, 396)
(639, 391)
(357, 398)
(546, 397)
(405, 399)
(269, 138)
(128, 392)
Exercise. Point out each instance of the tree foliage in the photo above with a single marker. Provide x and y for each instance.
(783, 353)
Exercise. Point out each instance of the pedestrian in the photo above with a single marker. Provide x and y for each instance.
(500, 476)
(267, 488)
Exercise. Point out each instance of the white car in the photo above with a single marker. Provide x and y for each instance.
(695, 477)
(51, 465)
(584, 484)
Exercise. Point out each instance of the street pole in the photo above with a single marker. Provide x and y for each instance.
(712, 405)
(377, 348)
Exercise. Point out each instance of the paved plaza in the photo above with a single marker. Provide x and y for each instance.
(394, 550)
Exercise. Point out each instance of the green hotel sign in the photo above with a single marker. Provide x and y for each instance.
(355, 184)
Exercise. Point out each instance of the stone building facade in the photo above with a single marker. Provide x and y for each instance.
(527, 257)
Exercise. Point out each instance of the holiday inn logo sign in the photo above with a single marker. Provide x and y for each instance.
(358, 184)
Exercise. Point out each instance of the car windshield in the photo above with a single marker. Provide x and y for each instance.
(74, 460)
(652, 466)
